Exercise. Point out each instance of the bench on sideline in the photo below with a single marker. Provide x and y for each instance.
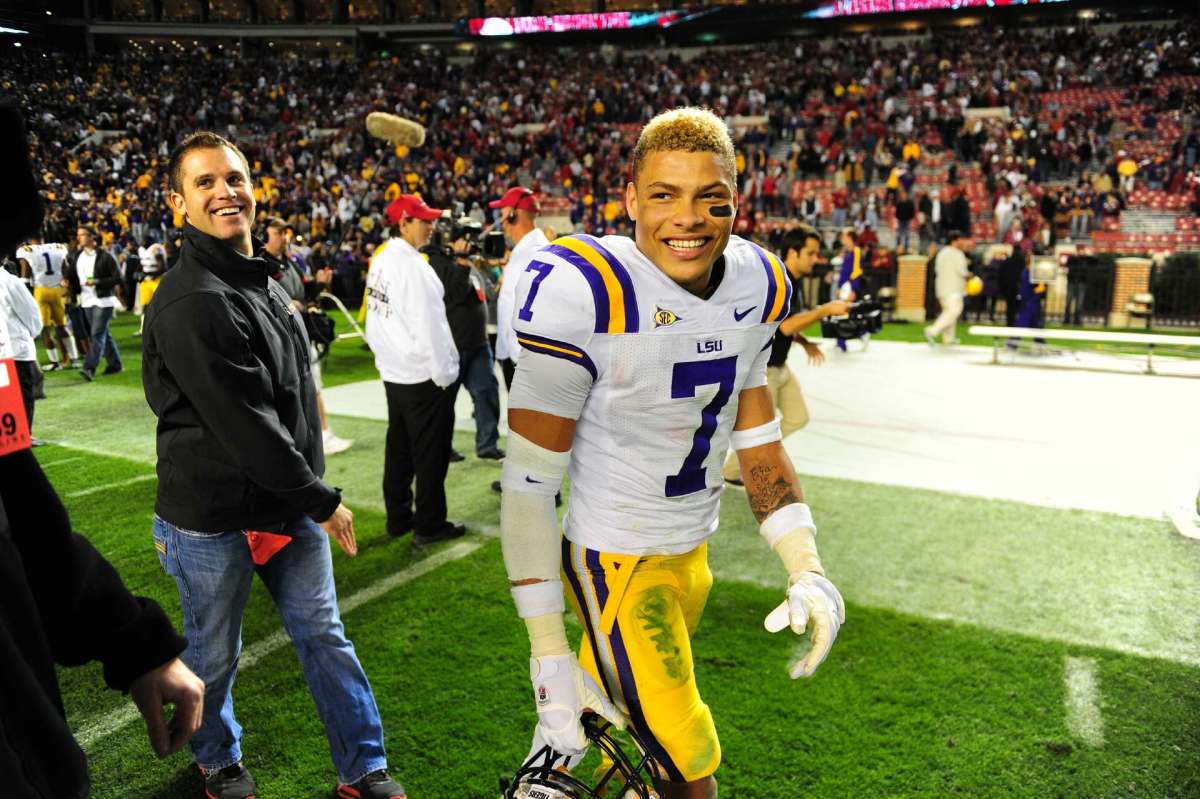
(1106, 336)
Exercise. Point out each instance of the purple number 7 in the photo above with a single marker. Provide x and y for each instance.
(685, 379)
(543, 271)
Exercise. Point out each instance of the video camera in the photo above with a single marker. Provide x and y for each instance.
(449, 229)
(866, 316)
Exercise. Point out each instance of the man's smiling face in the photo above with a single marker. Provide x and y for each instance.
(672, 201)
(216, 196)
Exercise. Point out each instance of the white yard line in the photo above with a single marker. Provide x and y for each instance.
(48, 464)
(94, 730)
(1083, 701)
(141, 478)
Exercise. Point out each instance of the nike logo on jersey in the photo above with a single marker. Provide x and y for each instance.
(529, 479)
(740, 315)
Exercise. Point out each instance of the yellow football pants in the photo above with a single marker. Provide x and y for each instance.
(638, 615)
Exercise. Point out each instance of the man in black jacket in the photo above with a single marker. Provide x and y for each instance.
(61, 602)
(225, 369)
(93, 276)
(467, 313)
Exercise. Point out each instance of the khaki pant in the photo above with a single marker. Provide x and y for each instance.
(789, 401)
(944, 325)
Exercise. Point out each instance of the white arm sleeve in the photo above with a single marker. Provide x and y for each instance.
(529, 534)
(441, 340)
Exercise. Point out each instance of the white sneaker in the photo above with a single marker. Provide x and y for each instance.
(333, 444)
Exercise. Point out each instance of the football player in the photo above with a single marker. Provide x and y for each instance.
(643, 361)
(43, 265)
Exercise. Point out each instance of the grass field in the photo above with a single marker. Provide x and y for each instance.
(992, 648)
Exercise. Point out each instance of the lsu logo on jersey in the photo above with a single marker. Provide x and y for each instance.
(664, 317)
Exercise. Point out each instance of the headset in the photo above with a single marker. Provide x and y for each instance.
(512, 211)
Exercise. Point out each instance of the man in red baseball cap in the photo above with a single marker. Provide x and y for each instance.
(410, 206)
(414, 351)
(517, 222)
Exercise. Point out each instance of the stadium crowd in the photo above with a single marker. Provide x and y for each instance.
(862, 131)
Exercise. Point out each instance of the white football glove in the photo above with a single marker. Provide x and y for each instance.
(562, 690)
(810, 599)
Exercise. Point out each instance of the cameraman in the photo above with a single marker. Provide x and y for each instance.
(467, 313)
(801, 248)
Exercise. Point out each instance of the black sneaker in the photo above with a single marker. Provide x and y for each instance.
(376, 785)
(87, 374)
(456, 456)
(231, 782)
(113, 370)
(499, 489)
(395, 530)
(446, 532)
(493, 454)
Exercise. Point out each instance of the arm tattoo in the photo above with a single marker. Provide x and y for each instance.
(768, 490)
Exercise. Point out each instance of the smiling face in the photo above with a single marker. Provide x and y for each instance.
(672, 201)
(216, 195)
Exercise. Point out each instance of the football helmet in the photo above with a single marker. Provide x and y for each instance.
(546, 774)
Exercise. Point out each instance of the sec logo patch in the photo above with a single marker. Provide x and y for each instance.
(664, 318)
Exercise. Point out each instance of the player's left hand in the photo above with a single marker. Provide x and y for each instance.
(812, 601)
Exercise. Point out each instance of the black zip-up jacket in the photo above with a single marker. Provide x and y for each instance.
(60, 602)
(225, 369)
(105, 275)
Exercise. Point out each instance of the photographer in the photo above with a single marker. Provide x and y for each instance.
(303, 293)
(456, 265)
(802, 250)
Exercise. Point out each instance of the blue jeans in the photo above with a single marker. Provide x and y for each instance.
(478, 374)
(213, 573)
(102, 340)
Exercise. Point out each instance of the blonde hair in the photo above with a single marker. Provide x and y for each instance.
(692, 130)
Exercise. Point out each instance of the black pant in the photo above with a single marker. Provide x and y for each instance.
(1011, 306)
(27, 378)
(419, 434)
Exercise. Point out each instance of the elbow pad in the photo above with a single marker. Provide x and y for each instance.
(529, 531)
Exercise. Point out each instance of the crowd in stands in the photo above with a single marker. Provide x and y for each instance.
(890, 136)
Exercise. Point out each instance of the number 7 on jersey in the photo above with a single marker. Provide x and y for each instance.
(686, 377)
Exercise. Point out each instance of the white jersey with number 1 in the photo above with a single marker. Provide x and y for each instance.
(652, 374)
(46, 261)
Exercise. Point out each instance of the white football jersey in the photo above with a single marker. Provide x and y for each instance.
(46, 261)
(652, 374)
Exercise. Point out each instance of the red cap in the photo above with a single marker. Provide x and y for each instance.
(517, 197)
(410, 206)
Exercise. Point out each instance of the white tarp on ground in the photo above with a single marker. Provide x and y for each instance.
(1091, 433)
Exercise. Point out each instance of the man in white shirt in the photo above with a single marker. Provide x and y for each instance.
(518, 222)
(93, 278)
(950, 268)
(415, 354)
(20, 313)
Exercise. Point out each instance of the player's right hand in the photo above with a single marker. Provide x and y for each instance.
(340, 527)
(562, 691)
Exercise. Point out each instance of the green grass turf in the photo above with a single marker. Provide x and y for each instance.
(911, 703)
